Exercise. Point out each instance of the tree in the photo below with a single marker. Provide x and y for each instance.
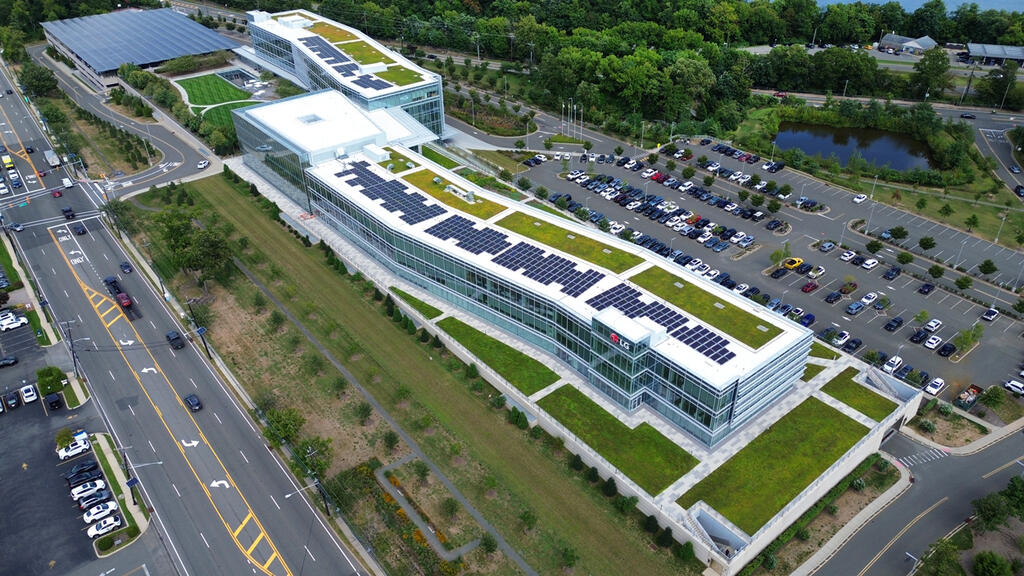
(569, 557)
(391, 440)
(488, 543)
(529, 519)
(993, 397)
(520, 144)
(1014, 493)
(38, 80)
(873, 246)
(541, 192)
(898, 232)
(988, 563)
(922, 316)
(781, 254)
(964, 282)
(709, 180)
(946, 210)
(944, 554)
(618, 150)
(921, 203)
(524, 183)
(587, 145)
(363, 412)
(652, 158)
(774, 205)
(931, 74)
(936, 271)
(926, 242)
(971, 222)
(905, 258)
(505, 175)
(548, 144)
(64, 437)
(665, 539)
(987, 267)
(991, 511)
(286, 423)
(450, 507)
(670, 165)
(421, 470)
(208, 251)
(609, 488)
(743, 194)
(756, 200)
(689, 171)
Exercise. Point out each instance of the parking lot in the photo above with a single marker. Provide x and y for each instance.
(43, 528)
(991, 363)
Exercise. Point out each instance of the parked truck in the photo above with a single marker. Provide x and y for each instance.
(968, 397)
(52, 158)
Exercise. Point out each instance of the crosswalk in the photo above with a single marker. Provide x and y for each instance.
(922, 457)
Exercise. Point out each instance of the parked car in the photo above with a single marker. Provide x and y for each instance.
(74, 449)
(932, 342)
(933, 325)
(947, 350)
(935, 386)
(104, 526)
(918, 336)
(893, 324)
(926, 288)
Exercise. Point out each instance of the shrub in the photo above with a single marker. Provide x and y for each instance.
(576, 463)
(804, 534)
(625, 503)
(651, 525)
(498, 402)
(105, 543)
(609, 488)
(593, 475)
(665, 539)
(857, 484)
(363, 412)
(390, 440)
(684, 551)
(832, 509)
(488, 543)
(945, 409)
(926, 426)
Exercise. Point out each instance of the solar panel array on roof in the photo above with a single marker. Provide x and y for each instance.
(105, 41)
(469, 238)
(367, 81)
(626, 299)
(397, 198)
(548, 269)
(330, 54)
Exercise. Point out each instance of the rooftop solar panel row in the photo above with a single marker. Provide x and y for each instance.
(548, 269)
(330, 54)
(397, 198)
(367, 81)
(469, 238)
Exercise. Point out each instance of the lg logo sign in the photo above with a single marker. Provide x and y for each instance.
(616, 340)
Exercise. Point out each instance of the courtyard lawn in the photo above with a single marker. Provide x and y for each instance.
(810, 371)
(221, 115)
(422, 307)
(726, 317)
(481, 208)
(332, 33)
(819, 350)
(561, 239)
(400, 75)
(211, 89)
(363, 53)
(753, 485)
(858, 397)
(521, 371)
(644, 454)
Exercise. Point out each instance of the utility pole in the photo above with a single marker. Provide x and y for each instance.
(198, 331)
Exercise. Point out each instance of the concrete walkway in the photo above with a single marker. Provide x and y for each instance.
(109, 455)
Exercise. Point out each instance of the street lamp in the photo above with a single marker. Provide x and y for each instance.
(1000, 228)
(196, 326)
(867, 229)
(960, 252)
(315, 484)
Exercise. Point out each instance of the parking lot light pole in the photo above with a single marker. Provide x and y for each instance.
(960, 253)
(1000, 228)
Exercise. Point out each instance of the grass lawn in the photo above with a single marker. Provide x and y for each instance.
(387, 361)
(102, 446)
(398, 160)
(71, 398)
(331, 33)
(481, 208)
(37, 327)
(363, 53)
(858, 397)
(521, 371)
(491, 183)
(221, 115)
(499, 159)
(442, 160)
(400, 75)
(810, 371)
(211, 89)
(735, 322)
(422, 307)
(561, 239)
(819, 350)
(644, 454)
(767, 473)
(563, 139)
(549, 209)
(7, 264)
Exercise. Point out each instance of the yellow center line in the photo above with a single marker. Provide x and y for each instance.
(262, 532)
(1003, 467)
(900, 534)
(15, 132)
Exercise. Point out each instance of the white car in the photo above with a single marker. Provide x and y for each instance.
(935, 386)
(816, 273)
(932, 343)
(735, 176)
(74, 449)
(99, 512)
(766, 165)
(869, 298)
(694, 264)
(933, 325)
(12, 323)
(573, 175)
(541, 157)
(869, 264)
(841, 338)
(711, 274)
(741, 288)
(796, 312)
(685, 186)
(743, 179)
(632, 205)
(703, 269)
(859, 198)
(202, 164)
(617, 228)
(648, 173)
(737, 237)
(761, 185)
(629, 165)
(892, 365)
(990, 314)
(673, 221)
(704, 237)
(848, 255)
(558, 155)
(592, 158)
(28, 394)
(104, 526)
(87, 489)
(713, 167)
(730, 207)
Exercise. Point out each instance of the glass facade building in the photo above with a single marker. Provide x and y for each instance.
(632, 362)
(279, 44)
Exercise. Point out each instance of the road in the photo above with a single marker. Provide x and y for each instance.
(220, 494)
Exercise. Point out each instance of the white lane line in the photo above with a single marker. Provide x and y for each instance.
(151, 447)
(204, 539)
(153, 325)
(131, 410)
(176, 490)
(275, 502)
(193, 383)
(243, 456)
(66, 295)
(217, 417)
(111, 375)
(310, 553)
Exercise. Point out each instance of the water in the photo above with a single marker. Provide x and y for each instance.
(876, 146)
(911, 5)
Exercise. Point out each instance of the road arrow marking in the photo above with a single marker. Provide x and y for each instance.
(74, 252)
(127, 343)
(219, 484)
(191, 444)
(149, 370)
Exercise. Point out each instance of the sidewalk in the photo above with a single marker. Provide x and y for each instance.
(32, 301)
(103, 442)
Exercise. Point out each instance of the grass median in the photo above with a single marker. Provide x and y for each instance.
(819, 350)
(858, 397)
(775, 467)
(130, 530)
(525, 373)
(561, 239)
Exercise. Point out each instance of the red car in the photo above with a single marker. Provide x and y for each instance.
(123, 300)
(57, 193)
(744, 157)
(809, 287)
(780, 94)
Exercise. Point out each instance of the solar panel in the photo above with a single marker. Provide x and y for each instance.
(367, 81)
(548, 269)
(330, 54)
(396, 197)
(469, 238)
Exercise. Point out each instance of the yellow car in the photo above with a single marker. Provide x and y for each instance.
(791, 263)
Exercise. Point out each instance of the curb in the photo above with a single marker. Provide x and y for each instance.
(109, 454)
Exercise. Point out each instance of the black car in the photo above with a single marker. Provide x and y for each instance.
(852, 345)
(858, 260)
(97, 498)
(126, 267)
(12, 401)
(892, 273)
(79, 229)
(752, 291)
(926, 288)
(83, 477)
(779, 273)
(833, 297)
(705, 141)
(175, 340)
(83, 466)
(968, 116)
(804, 268)
(919, 336)
(947, 350)
(193, 403)
(8, 361)
(894, 324)
(69, 214)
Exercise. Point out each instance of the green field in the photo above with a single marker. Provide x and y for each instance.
(400, 75)
(561, 239)
(521, 371)
(771, 470)
(819, 350)
(363, 53)
(422, 307)
(221, 115)
(728, 318)
(441, 160)
(858, 397)
(810, 371)
(211, 89)
(481, 208)
(644, 454)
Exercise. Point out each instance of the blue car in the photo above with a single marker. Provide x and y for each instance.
(807, 320)
(722, 245)
(855, 308)
(711, 243)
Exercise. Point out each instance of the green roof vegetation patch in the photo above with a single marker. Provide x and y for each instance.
(211, 89)
(549, 209)
(752, 486)
(521, 371)
(810, 371)
(819, 350)
(363, 53)
(332, 33)
(422, 307)
(400, 163)
(440, 159)
(860, 398)
(424, 180)
(645, 455)
(400, 75)
(561, 239)
(730, 319)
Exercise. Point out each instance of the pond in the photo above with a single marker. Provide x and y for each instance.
(878, 147)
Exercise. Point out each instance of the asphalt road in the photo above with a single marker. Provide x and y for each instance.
(219, 495)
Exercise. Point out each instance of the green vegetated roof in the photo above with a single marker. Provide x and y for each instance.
(860, 398)
(521, 371)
